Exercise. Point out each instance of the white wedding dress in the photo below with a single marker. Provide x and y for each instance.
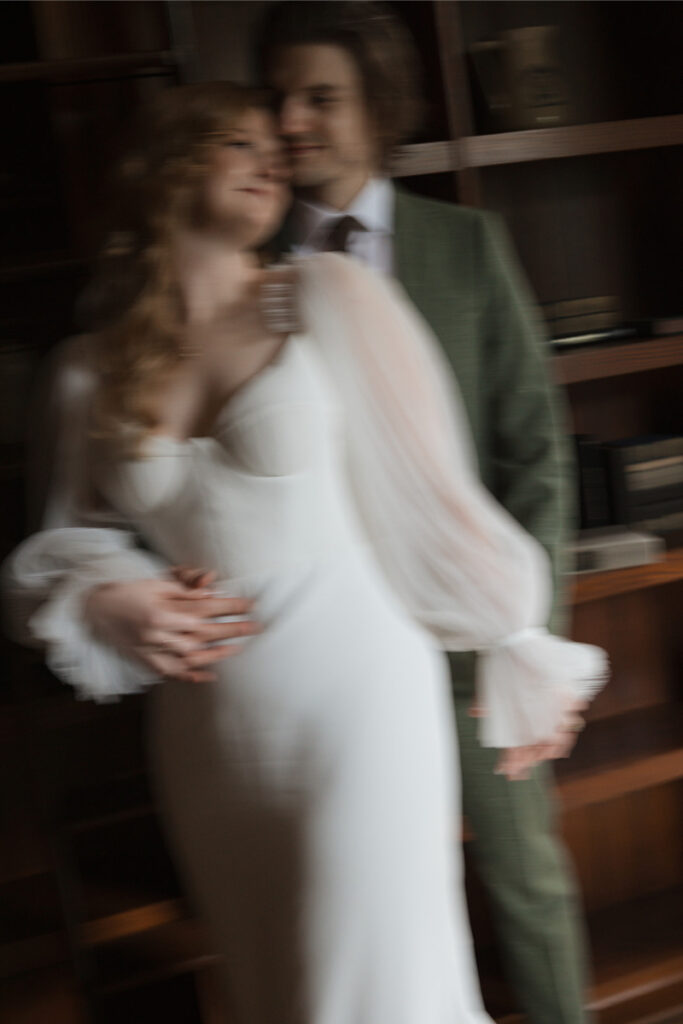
(311, 793)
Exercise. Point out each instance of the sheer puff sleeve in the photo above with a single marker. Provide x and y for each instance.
(462, 565)
(46, 579)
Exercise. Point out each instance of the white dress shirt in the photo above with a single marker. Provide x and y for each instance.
(373, 207)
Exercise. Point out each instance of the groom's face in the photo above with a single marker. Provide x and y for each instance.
(323, 116)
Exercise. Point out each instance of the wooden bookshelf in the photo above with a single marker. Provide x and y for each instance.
(637, 964)
(129, 924)
(638, 957)
(591, 206)
(596, 586)
(44, 267)
(637, 947)
(571, 141)
(90, 68)
(32, 934)
(424, 158)
(477, 151)
(597, 362)
(623, 754)
(33, 955)
(143, 957)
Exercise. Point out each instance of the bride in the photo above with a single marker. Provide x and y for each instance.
(295, 429)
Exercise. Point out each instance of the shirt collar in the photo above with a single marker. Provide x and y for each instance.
(373, 207)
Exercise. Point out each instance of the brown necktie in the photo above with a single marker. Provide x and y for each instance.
(337, 237)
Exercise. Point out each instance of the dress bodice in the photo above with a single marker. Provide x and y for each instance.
(266, 489)
(352, 439)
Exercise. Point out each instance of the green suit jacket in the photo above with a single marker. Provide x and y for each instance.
(457, 266)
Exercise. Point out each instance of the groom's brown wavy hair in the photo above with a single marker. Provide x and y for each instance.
(379, 44)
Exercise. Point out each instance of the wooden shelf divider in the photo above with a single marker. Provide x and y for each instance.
(78, 68)
(45, 267)
(596, 585)
(129, 923)
(474, 151)
(623, 754)
(596, 362)
(570, 141)
(637, 957)
(637, 965)
(425, 158)
(151, 955)
(117, 800)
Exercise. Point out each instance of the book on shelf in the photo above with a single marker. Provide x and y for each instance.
(587, 320)
(647, 447)
(593, 488)
(656, 473)
(659, 326)
(606, 548)
(645, 478)
(651, 510)
(666, 524)
(670, 495)
(519, 81)
(590, 313)
(593, 337)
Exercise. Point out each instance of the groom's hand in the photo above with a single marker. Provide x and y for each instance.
(516, 763)
(167, 624)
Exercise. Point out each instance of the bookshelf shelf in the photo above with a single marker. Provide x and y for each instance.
(47, 267)
(638, 954)
(133, 922)
(637, 950)
(36, 953)
(477, 151)
(636, 946)
(572, 141)
(623, 754)
(598, 585)
(151, 955)
(77, 69)
(118, 800)
(425, 158)
(32, 932)
(601, 361)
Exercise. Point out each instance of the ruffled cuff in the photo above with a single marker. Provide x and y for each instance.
(528, 681)
(95, 670)
(45, 582)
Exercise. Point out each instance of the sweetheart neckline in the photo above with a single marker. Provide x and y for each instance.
(232, 399)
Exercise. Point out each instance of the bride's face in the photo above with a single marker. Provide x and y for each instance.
(246, 192)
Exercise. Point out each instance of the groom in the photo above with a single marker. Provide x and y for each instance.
(341, 74)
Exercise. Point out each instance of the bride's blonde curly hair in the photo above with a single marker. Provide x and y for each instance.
(133, 303)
